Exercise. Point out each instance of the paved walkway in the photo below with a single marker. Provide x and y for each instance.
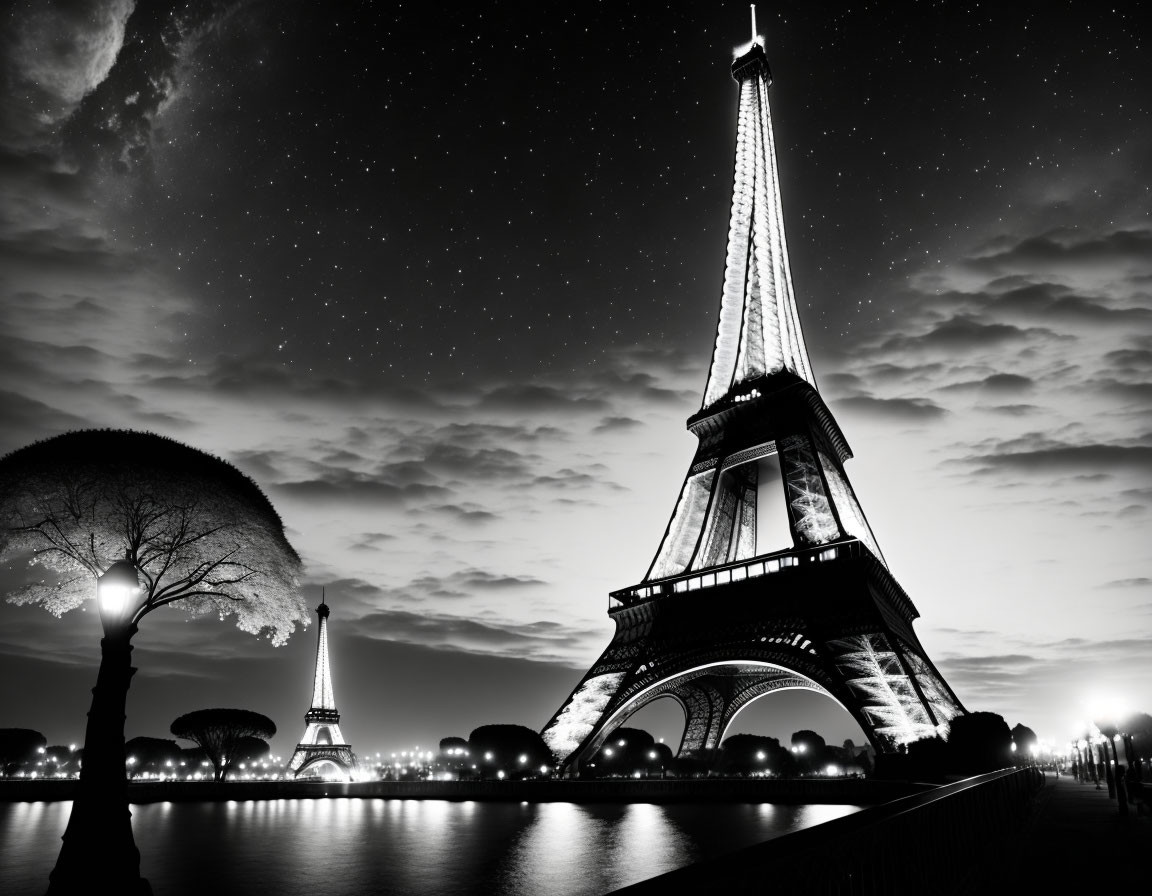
(1077, 842)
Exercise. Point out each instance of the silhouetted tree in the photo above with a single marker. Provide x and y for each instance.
(152, 755)
(979, 742)
(1139, 726)
(929, 759)
(516, 750)
(61, 760)
(19, 746)
(1025, 740)
(251, 752)
(629, 752)
(809, 750)
(689, 767)
(747, 754)
(223, 735)
(201, 536)
(195, 761)
(455, 756)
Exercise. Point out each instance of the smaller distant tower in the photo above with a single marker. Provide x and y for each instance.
(323, 746)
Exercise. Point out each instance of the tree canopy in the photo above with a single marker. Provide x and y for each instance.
(152, 755)
(202, 534)
(225, 735)
(1025, 740)
(17, 746)
(754, 754)
(496, 748)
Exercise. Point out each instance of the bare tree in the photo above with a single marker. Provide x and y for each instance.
(193, 531)
(225, 735)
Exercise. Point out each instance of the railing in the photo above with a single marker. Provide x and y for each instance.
(945, 841)
(764, 564)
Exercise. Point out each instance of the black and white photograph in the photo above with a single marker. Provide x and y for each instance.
(588, 449)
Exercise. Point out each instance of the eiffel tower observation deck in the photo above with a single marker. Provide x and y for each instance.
(723, 617)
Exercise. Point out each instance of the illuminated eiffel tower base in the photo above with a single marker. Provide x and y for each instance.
(717, 621)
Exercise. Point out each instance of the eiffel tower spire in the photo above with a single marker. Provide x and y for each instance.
(322, 697)
(759, 329)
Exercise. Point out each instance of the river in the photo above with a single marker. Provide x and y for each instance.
(404, 847)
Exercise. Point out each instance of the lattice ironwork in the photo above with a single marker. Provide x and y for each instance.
(715, 624)
(811, 512)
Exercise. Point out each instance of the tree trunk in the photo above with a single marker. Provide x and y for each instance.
(99, 852)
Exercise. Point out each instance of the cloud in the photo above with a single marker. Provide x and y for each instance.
(537, 398)
(1140, 582)
(895, 409)
(1049, 302)
(345, 486)
(33, 419)
(1001, 662)
(1002, 383)
(1014, 410)
(56, 55)
(617, 424)
(471, 515)
(1128, 249)
(372, 541)
(1068, 459)
(961, 334)
(571, 479)
(542, 640)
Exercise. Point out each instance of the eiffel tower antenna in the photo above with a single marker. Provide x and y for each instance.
(754, 32)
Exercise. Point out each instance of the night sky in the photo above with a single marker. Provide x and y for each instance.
(443, 279)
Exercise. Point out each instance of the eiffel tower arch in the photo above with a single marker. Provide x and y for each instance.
(716, 622)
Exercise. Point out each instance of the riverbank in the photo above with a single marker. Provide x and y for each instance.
(794, 791)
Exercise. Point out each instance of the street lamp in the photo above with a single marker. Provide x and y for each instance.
(99, 832)
(117, 592)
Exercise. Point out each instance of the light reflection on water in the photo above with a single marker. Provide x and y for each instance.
(351, 847)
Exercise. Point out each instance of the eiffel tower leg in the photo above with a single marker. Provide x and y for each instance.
(891, 706)
(703, 711)
(580, 720)
(933, 690)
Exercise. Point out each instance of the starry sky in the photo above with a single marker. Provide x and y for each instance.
(443, 279)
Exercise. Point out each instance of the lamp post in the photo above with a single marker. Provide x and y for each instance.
(98, 846)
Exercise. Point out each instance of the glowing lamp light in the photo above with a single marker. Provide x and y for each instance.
(116, 593)
(760, 755)
(523, 758)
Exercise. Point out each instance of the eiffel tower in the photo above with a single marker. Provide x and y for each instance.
(717, 622)
(322, 744)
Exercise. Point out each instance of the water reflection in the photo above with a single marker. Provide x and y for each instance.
(331, 847)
